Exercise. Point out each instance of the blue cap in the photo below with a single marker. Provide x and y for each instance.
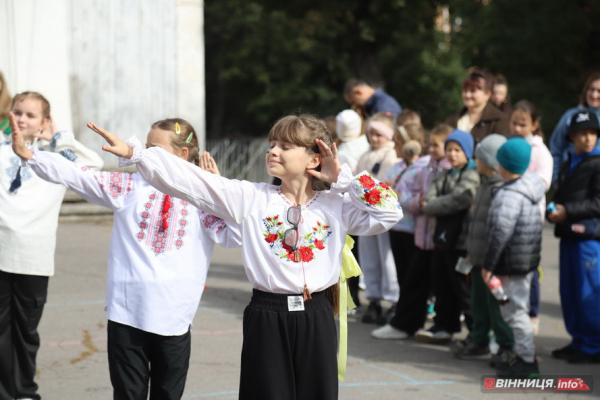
(464, 140)
(514, 155)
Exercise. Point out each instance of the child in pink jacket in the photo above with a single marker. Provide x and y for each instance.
(411, 309)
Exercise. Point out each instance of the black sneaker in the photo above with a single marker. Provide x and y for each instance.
(518, 368)
(386, 316)
(473, 351)
(502, 358)
(581, 357)
(563, 353)
(372, 313)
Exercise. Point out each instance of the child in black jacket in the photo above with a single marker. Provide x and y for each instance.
(577, 219)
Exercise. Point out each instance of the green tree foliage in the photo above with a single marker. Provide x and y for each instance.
(267, 58)
(544, 48)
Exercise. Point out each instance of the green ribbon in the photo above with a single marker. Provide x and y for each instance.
(349, 269)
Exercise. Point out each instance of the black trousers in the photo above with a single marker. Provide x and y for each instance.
(411, 309)
(403, 249)
(136, 357)
(452, 291)
(288, 355)
(22, 299)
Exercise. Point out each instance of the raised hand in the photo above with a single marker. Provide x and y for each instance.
(330, 164)
(208, 163)
(18, 143)
(49, 130)
(115, 145)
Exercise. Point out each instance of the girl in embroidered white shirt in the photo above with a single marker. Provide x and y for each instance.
(158, 260)
(29, 208)
(289, 348)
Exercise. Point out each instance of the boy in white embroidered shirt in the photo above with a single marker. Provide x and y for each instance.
(158, 260)
(289, 348)
(29, 209)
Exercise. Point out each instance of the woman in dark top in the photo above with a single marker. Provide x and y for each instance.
(479, 115)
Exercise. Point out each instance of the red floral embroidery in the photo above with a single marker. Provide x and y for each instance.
(373, 197)
(306, 254)
(271, 238)
(319, 244)
(367, 182)
(383, 185)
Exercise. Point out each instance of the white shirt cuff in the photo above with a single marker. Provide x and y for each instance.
(344, 180)
(137, 153)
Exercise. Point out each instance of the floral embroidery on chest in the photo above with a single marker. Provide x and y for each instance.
(152, 230)
(375, 193)
(309, 243)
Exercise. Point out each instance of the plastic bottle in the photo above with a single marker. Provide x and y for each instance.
(497, 290)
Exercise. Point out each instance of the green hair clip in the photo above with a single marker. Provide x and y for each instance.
(178, 131)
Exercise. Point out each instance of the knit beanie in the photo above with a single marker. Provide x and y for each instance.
(487, 149)
(349, 125)
(464, 140)
(514, 155)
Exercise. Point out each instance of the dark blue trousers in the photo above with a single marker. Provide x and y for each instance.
(580, 292)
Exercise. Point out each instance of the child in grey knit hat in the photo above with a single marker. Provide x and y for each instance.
(484, 307)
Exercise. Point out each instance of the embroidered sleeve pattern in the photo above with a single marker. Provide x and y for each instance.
(374, 192)
(309, 244)
(209, 221)
(116, 184)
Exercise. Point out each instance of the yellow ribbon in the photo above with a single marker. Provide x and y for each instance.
(349, 269)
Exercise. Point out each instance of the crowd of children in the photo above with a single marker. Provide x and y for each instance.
(474, 208)
(453, 216)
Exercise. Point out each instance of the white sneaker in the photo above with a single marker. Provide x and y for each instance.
(389, 332)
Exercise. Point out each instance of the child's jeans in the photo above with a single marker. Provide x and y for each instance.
(516, 313)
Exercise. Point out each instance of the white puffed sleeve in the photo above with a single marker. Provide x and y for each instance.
(65, 144)
(370, 206)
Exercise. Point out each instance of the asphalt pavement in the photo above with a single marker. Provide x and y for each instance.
(72, 362)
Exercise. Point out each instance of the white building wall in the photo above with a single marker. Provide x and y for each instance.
(34, 51)
(122, 64)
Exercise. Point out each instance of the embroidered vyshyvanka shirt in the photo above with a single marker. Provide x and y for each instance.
(355, 205)
(156, 276)
(29, 215)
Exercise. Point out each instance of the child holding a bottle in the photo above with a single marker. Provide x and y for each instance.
(514, 232)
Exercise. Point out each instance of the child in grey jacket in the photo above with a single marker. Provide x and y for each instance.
(514, 238)
(484, 306)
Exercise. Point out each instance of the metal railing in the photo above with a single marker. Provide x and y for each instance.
(241, 158)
